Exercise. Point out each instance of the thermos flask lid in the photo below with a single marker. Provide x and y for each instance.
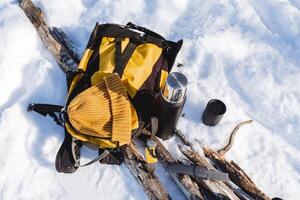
(174, 90)
(213, 112)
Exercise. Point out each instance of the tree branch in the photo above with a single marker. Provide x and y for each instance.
(136, 164)
(184, 182)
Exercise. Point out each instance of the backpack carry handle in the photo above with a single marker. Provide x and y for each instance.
(143, 29)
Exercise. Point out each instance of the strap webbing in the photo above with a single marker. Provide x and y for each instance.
(150, 39)
(139, 130)
(113, 30)
(128, 53)
(118, 55)
(49, 109)
(197, 171)
(100, 157)
(123, 58)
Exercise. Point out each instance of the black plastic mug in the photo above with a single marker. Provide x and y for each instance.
(213, 113)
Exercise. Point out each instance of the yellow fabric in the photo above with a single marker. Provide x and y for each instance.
(82, 65)
(103, 143)
(103, 110)
(85, 58)
(163, 78)
(96, 78)
(148, 155)
(107, 65)
(134, 118)
(139, 67)
(107, 53)
(120, 107)
(136, 72)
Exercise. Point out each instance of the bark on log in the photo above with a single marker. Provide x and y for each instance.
(184, 182)
(61, 48)
(236, 174)
(218, 188)
(65, 58)
(136, 164)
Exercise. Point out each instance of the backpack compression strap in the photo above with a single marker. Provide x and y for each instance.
(123, 58)
(49, 109)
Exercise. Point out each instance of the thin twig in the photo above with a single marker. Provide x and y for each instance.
(228, 146)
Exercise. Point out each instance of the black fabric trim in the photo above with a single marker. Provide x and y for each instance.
(122, 59)
(157, 83)
(143, 103)
(128, 53)
(92, 67)
(171, 52)
(170, 49)
(144, 99)
(71, 75)
(151, 82)
(118, 57)
(93, 37)
(143, 29)
(114, 30)
(138, 131)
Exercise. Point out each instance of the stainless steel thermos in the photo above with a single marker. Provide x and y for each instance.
(169, 104)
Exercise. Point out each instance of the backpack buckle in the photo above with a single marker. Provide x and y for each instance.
(150, 154)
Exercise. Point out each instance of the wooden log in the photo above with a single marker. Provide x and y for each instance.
(136, 164)
(236, 174)
(200, 160)
(63, 56)
(218, 188)
(61, 48)
(184, 182)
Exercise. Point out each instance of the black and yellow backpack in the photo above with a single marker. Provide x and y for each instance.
(111, 95)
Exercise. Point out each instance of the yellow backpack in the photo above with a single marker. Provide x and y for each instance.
(122, 68)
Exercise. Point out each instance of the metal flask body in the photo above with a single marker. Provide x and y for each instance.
(169, 104)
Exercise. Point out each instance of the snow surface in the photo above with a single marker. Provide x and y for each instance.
(245, 53)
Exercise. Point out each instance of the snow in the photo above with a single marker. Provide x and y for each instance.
(245, 53)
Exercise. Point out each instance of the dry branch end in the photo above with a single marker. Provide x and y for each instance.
(228, 146)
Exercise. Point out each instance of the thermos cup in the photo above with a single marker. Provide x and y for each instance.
(169, 104)
(213, 113)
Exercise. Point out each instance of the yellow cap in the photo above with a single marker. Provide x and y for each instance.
(103, 110)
